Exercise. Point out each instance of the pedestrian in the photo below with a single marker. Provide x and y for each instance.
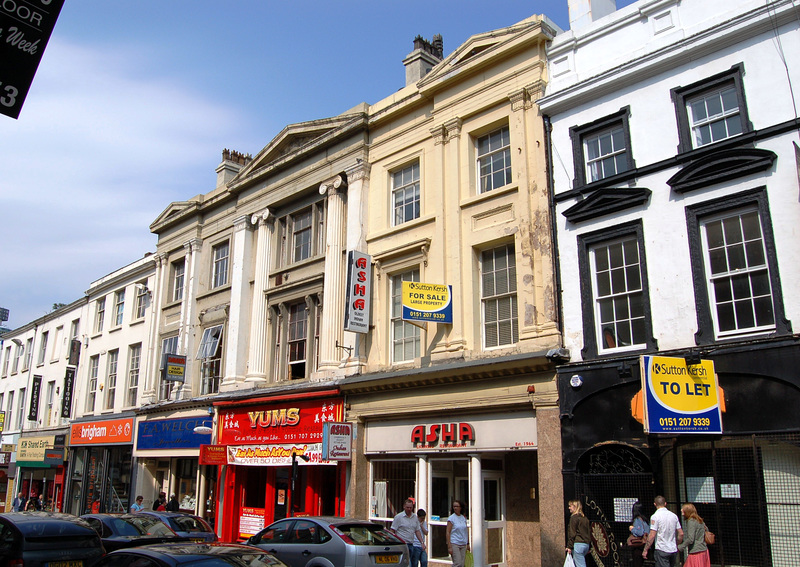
(406, 526)
(137, 506)
(693, 546)
(421, 554)
(34, 504)
(666, 533)
(160, 502)
(457, 534)
(19, 503)
(579, 536)
(173, 505)
(640, 529)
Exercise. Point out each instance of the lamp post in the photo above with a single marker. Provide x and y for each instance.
(294, 479)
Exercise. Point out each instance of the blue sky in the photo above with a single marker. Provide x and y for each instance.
(135, 99)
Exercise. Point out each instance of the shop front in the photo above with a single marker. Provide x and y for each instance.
(166, 453)
(744, 479)
(482, 459)
(100, 472)
(40, 469)
(274, 465)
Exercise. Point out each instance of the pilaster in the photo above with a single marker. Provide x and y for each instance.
(256, 372)
(236, 341)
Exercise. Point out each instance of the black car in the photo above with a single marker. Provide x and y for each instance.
(130, 530)
(194, 554)
(39, 539)
(187, 525)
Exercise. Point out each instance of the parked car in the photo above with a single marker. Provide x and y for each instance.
(186, 525)
(37, 539)
(331, 542)
(194, 554)
(130, 530)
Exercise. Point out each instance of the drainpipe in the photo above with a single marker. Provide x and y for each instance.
(548, 129)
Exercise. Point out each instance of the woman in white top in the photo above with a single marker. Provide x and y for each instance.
(457, 534)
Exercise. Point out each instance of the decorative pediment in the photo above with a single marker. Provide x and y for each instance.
(606, 201)
(721, 166)
(175, 211)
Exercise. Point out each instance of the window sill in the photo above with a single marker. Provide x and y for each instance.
(215, 291)
(489, 195)
(115, 329)
(136, 323)
(402, 227)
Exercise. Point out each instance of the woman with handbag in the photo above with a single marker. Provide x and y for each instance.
(579, 537)
(694, 539)
(640, 529)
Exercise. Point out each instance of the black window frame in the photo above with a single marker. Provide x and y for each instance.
(680, 95)
(757, 197)
(579, 133)
(585, 243)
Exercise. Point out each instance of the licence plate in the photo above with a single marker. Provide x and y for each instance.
(387, 559)
(78, 563)
(198, 540)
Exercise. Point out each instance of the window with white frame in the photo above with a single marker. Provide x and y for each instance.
(499, 296)
(100, 315)
(606, 154)
(494, 159)
(734, 264)
(28, 354)
(301, 235)
(73, 328)
(297, 337)
(112, 372)
(43, 348)
(49, 401)
(6, 360)
(618, 295)
(737, 272)
(711, 110)
(21, 408)
(18, 356)
(169, 345)
(119, 307)
(210, 356)
(178, 275)
(56, 352)
(405, 336)
(134, 366)
(10, 408)
(91, 382)
(405, 194)
(221, 254)
(140, 308)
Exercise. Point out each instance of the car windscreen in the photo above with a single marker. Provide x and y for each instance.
(368, 534)
(190, 524)
(140, 525)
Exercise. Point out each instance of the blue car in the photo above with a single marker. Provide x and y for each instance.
(185, 525)
(194, 554)
(39, 539)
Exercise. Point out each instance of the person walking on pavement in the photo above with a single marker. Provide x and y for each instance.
(406, 526)
(173, 505)
(457, 534)
(666, 533)
(579, 537)
(694, 541)
(160, 502)
(19, 503)
(421, 554)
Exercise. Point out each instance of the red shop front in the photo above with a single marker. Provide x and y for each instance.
(262, 438)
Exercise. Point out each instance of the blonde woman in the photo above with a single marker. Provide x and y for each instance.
(694, 539)
(580, 537)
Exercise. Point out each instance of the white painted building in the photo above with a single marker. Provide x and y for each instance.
(674, 163)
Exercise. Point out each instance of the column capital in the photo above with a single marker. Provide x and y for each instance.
(337, 183)
(241, 223)
(261, 218)
(358, 171)
(193, 245)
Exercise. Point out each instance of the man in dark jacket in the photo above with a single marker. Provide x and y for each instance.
(173, 505)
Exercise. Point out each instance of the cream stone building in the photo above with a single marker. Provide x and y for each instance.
(458, 197)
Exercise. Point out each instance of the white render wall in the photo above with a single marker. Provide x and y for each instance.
(612, 67)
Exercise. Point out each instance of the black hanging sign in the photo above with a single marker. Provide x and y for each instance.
(36, 390)
(66, 401)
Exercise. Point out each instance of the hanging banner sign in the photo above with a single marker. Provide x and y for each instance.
(174, 367)
(2, 421)
(275, 455)
(680, 398)
(213, 455)
(69, 385)
(36, 390)
(289, 422)
(25, 28)
(359, 289)
(337, 441)
(427, 302)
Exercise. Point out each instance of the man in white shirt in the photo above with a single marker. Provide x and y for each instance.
(406, 526)
(666, 532)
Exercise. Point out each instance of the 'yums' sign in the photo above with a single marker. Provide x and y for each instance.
(427, 302)
(680, 398)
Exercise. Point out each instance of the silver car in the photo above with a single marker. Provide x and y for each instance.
(331, 542)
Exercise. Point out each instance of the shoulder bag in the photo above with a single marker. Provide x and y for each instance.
(709, 536)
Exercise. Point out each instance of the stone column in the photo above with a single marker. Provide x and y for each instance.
(236, 341)
(150, 391)
(188, 308)
(333, 311)
(256, 356)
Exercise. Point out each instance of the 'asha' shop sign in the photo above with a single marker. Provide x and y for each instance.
(289, 422)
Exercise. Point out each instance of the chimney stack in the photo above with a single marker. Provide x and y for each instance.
(425, 56)
(583, 12)
(232, 163)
